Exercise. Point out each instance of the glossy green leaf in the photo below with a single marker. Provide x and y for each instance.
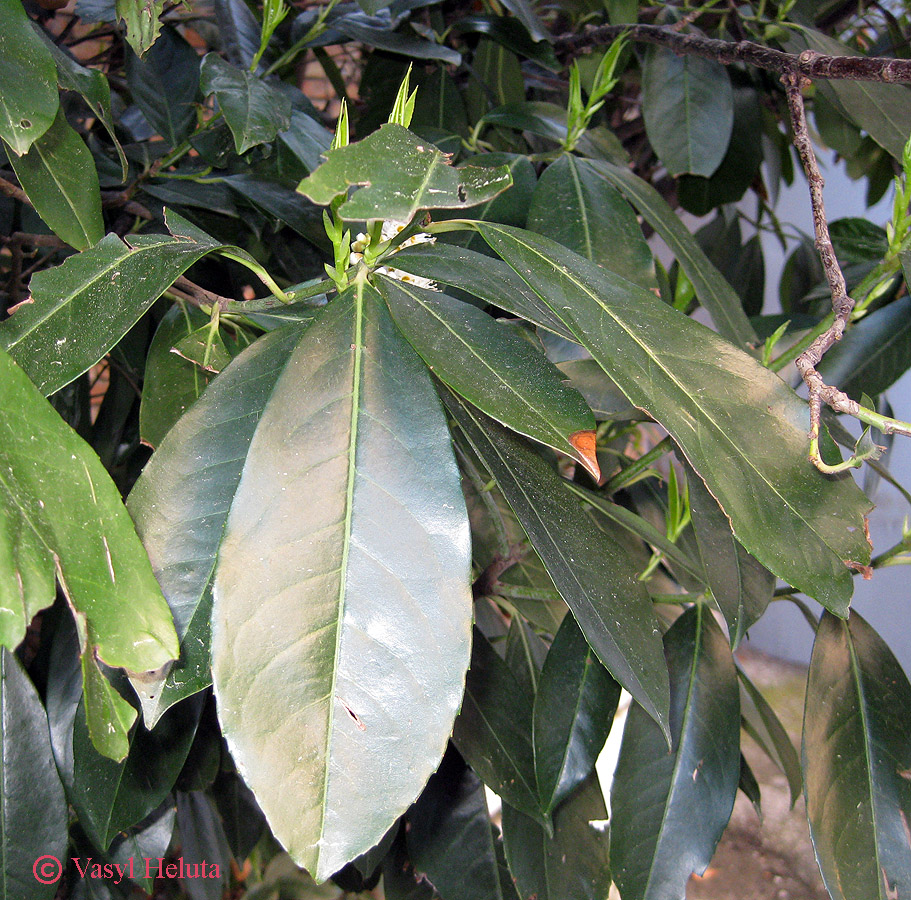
(149, 839)
(601, 394)
(740, 165)
(79, 310)
(525, 652)
(493, 729)
(180, 505)
(203, 842)
(451, 840)
(110, 797)
(306, 138)
(400, 42)
(497, 536)
(254, 110)
(497, 370)
(574, 862)
(331, 472)
(59, 176)
(60, 510)
(525, 13)
(94, 88)
(714, 293)
(399, 174)
(856, 762)
(688, 108)
(486, 278)
(742, 587)
(592, 572)
(141, 18)
(29, 830)
(496, 78)
(750, 786)
(657, 841)
(165, 86)
(576, 206)
(171, 384)
(761, 723)
(873, 354)
(28, 83)
(108, 716)
(238, 30)
(741, 428)
(574, 710)
(512, 35)
(882, 110)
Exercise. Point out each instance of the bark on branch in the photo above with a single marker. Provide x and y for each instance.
(810, 63)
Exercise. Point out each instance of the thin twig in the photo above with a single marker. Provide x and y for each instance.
(199, 296)
(842, 302)
(8, 189)
(809, 63)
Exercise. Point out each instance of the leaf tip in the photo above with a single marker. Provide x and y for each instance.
(585, 444)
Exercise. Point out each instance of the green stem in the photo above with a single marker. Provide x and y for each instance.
(294, 294)
(631, 472)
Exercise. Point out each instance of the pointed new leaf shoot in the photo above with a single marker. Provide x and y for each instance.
(399, 173)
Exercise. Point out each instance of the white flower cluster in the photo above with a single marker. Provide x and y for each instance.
(390, 230)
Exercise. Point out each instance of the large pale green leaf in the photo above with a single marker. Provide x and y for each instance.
(342, 605)
(180, 505)
(165, 84)
(451, 840)
(873, 354)
(882, 110)
(856, 761)
(742, 587)
(713, 291)
(83, 307)
(60, 510)
(496, 369)
(575, 205)
(59, 176)
(33, 814)
(669, 809)
(739, 425)
(688, 108)
(493, 729)
(399, 174)
(574, 710)
(28, 82)
(592, 572)
(485, 277)
(254, 110)
(574, 861)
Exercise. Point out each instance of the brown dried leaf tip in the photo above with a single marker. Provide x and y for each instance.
(585, 443)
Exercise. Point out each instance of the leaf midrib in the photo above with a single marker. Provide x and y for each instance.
(358, 351)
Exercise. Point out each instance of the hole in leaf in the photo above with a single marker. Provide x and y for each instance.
(25, 123)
